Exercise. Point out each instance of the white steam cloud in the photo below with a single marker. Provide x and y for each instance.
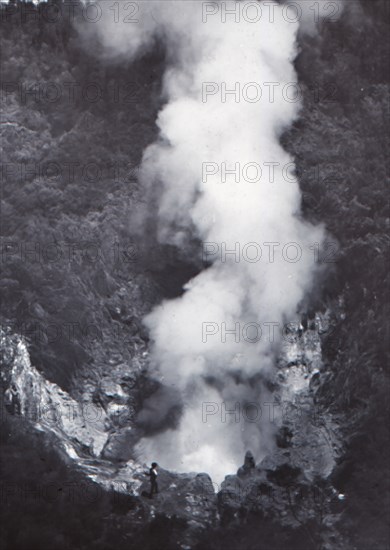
(230, 91)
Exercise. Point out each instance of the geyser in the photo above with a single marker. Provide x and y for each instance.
(230, 91)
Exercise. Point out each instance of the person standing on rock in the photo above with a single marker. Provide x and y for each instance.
(153, 479)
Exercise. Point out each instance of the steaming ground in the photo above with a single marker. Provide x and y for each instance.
(204, 131)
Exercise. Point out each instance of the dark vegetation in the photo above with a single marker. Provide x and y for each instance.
(67, 220)
(345, 136)
(340, 147)
(76, 279)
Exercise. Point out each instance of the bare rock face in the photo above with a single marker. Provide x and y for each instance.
(85, 433)
(290, 485)
(278, 492)
(78, 427)
(119, 446)
(95, 434)
(98, 433)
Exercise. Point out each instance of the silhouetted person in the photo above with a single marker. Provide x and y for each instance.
(153, 479)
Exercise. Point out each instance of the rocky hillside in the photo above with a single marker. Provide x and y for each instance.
(343, 140)
(77, 280)
(290, 486)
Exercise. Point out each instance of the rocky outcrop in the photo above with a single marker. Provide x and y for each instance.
(248, 466)
(290, 485)
(84, 431)
(79, 427)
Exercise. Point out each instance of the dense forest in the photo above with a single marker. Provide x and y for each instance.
(346, 138)
(70, 260)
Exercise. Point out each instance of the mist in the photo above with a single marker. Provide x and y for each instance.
(222, 177)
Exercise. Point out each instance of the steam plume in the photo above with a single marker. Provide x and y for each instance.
(198, 125)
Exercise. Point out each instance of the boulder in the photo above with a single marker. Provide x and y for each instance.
(248, 466)
(119, 446)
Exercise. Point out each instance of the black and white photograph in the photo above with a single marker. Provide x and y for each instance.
(194, 286)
